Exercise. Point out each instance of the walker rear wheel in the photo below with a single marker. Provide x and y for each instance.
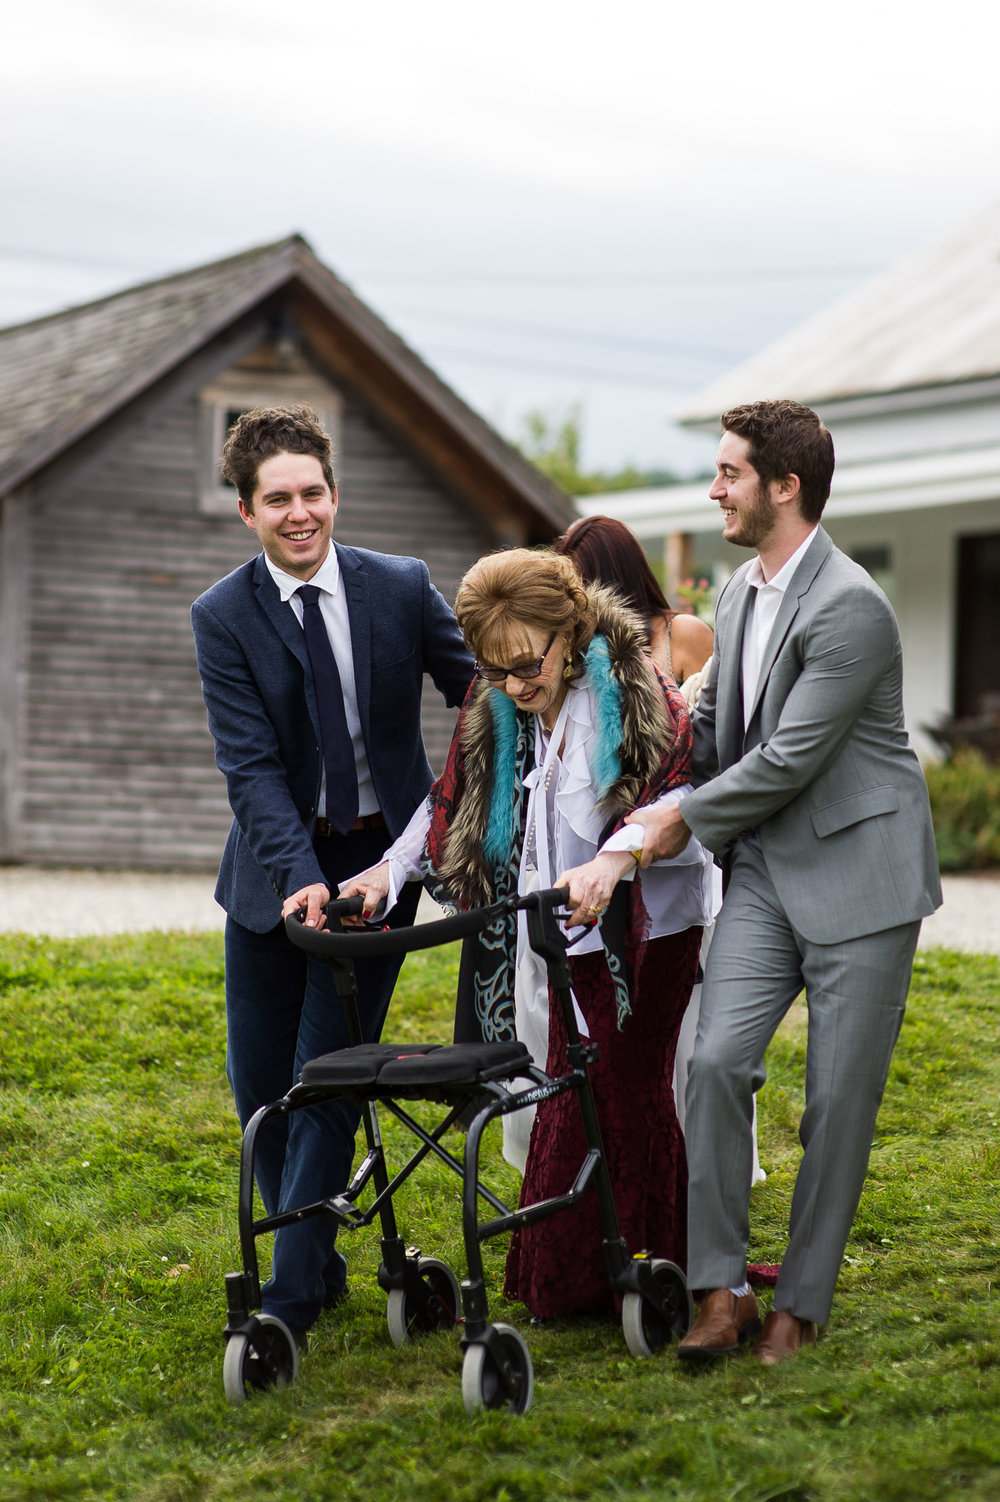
(267, 1358)
(506, 1380)
(435, 1305)
(648, 1329)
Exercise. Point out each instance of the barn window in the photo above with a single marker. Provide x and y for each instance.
(240, 391)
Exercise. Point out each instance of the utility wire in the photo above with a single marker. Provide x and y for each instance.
(604, 376)
(503, 278)
(576, 336)
(614, 279)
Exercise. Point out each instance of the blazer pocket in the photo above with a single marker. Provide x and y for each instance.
(848, 811)
(378, 669)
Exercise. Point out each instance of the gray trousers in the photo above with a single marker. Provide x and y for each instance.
(856, 994)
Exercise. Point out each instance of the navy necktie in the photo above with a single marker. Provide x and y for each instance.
(338, 751)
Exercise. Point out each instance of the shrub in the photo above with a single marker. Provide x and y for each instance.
(965, 804)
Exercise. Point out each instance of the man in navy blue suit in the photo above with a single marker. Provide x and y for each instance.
(387, 625)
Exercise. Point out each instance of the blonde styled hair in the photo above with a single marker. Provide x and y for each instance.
(507, 593)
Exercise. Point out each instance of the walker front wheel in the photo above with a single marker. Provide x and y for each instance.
(267, 1357)
(505, 1379)
(435, 1303)
(647, 1328)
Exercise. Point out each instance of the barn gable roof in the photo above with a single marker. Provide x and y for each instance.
(63, 375)
(931, 320)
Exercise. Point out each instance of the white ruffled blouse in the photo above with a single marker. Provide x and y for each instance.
(564, 823)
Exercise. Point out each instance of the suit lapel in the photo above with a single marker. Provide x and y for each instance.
(801, 583)
(356, 592)
(282, 618)
(730, 693)
(279, 613)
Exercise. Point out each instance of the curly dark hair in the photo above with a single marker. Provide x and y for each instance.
(266, 431)
(785, 438)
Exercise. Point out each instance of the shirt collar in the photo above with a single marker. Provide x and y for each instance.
(326, 577)
(783, 577)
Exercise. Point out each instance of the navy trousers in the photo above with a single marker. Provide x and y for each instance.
(282, 1009)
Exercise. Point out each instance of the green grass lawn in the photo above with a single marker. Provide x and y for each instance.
(119, 1157)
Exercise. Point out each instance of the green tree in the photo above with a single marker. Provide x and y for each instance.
(553, 446)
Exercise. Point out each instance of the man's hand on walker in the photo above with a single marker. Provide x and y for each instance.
(314, 899)
(665, 833)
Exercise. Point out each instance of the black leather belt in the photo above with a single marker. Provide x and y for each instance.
(324, 829)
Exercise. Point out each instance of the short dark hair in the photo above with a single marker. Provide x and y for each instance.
(266, 431)
(786, 438)
(607, 552)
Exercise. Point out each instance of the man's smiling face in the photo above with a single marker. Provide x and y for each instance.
(748, 510)
(292, 512)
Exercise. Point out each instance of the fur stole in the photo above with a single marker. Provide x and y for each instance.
(477, 801)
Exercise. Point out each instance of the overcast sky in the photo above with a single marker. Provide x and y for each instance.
(553, 202)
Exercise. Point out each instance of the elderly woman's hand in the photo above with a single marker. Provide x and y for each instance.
(373, 884)
(591, 885)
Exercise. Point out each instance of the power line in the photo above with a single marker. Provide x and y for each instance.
(585, 279)
(62, 258)
(550, 367)
(579, 279)
(576, 336)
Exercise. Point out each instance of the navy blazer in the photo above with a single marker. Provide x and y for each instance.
(262, 712)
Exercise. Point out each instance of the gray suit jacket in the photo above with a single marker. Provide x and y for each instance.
(825, 772)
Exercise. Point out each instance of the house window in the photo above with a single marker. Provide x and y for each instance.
(977, 606)
(240, 391)
(878, 562)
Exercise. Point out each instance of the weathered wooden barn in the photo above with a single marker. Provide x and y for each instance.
(113, 518)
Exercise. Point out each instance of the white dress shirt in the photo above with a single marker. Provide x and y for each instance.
(760, 619)
(333, 604)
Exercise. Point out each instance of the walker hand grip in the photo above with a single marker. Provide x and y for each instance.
(343, 907)
(549, 897)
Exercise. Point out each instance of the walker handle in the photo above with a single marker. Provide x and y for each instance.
(343, 907)
(328, 943)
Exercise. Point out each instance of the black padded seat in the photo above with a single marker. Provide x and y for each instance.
(359, 1067)
(454, 1064)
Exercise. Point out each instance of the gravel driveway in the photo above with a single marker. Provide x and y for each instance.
(68, 903)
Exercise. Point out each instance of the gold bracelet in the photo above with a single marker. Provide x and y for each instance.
(636, 856)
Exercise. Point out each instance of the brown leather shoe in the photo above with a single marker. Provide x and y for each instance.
(783, 1336)
(724, 1323)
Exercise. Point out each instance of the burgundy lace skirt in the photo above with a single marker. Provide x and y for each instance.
(556, 1266)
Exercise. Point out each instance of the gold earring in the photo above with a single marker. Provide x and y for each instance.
(568, 669)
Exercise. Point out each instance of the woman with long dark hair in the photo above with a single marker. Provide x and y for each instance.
(607, 552)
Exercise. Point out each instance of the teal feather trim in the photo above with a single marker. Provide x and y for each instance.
(498, 836)
(606, 763)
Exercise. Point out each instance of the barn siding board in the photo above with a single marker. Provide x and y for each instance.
(117, 765)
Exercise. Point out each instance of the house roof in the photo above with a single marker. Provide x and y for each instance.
(61, 376)
(932, 319)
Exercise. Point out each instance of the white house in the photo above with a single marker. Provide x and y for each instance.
(906, 373)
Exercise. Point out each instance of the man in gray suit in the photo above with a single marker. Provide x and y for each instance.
(808, 791)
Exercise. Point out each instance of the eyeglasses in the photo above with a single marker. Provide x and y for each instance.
(527, 670)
